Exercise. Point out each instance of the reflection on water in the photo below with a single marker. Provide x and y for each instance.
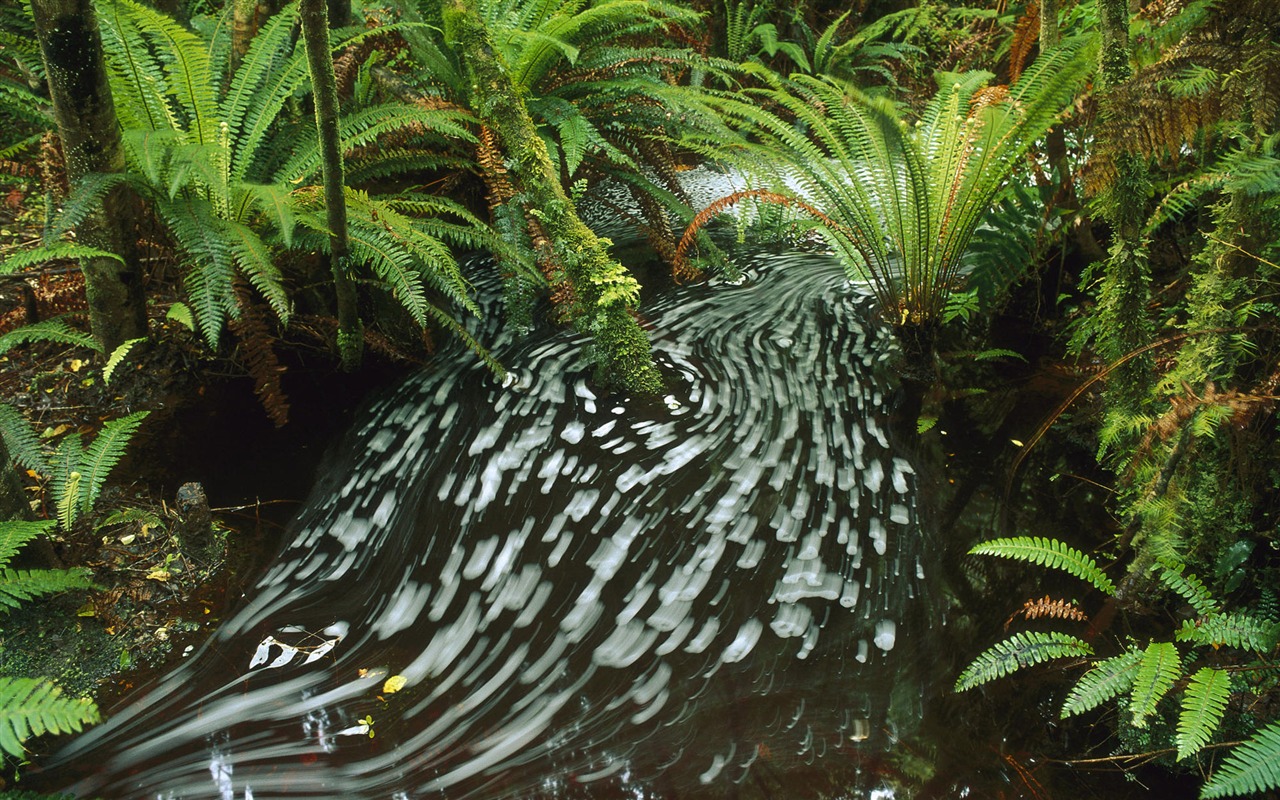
(581, 595)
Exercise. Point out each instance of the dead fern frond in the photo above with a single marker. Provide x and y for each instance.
(1048, 608)
(253, 329)
(1025, 37)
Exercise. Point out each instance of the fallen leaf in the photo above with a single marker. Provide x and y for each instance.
(76, 365)
(158, 575)
(394, 684)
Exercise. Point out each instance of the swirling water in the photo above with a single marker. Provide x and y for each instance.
(583, 594)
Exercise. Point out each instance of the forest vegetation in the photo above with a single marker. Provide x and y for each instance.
(1087, 190)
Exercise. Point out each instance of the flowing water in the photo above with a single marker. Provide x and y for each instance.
(576, 594)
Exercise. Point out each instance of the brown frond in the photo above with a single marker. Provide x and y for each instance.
(253, 329)
(1048, 608)
(1025, 37)
(682, 270)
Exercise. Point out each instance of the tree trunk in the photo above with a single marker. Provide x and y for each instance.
(13, 501)
(605, 293)
(1123, 322)
(315, 33)
(86, 119)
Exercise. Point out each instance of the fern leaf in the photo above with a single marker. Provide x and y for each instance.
(34, 706)
(58, 251)
(1049, 553)
(49, 330)
(102, 456)
(85, 198)
(1252, 768)
(1239, 630)
(1020, 650)
(19, 586)
(255, 262)
(1160, 667)
(68, 508)
(118, 356)
(1109, 678)
(14, 535)
(1203, 704)
(1189, 588)
(24, 447)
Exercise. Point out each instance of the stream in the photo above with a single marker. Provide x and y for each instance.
(532, 589)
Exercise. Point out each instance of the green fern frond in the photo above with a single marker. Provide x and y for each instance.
(139, 85)
(49, 330)
(103, 454)
(1252, 768)
(22, 585)
(1161, 665)
(14, 535)
(1050, 553)
(24, 447)
(209, 267)
(117, 358)
(1109, 678)
(64, 462)
(1203, 704)
(268, 57)
(1020, 650)
(275, 201)
(66, 501)
(86, 197)
(34, 706)
(1236, 629)
(1188, 587)
(57, 251)
(256, 263)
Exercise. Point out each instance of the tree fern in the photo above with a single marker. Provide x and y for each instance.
(1108, 678)
(1160, 667)
(24, 447)
(1049, 553)
(34, 706)
(1020, 650)
(1203, 703)
(1252, 768)
(102, 455)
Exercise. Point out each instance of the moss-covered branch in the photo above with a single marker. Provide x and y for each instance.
(605, 291)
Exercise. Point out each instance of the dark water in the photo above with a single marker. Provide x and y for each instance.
(585, 595)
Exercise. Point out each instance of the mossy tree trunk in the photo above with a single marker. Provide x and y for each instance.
(85, 115)
(315, 34)
(1123, 322)
(605, 292)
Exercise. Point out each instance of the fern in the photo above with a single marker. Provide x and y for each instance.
(1188, 587)
(117, 358)
(1160, 667)
(14, 535)
(49, 330)
(58, 251)
(1239, 630)
(34, 706)
(19, 586)
(1108, 678)
(1252, 768)
(1020, 650)
(24, 447)
(103, 454)
(1203, 704)
(1050, 553)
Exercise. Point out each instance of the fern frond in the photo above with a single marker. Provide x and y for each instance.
(267, 58)
(1109, 678)
(1020, 650)
(57, 251)
(277, 202)
(22, 443)
(34, 706)
(1203, 704)
(1252, 768)
(85, 198)
(1049, 553)
(103, 454)
(1239, 630)
(14, 535)
(49, 330)
(1188, 587)
(209, 263)
(256, 263)
(21, 585)
(117, 358)
(67, 504)
(1161, 665)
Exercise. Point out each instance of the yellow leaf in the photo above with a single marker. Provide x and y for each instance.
(158, 575)
(394, 684)
(86, 610)
(76, 365)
